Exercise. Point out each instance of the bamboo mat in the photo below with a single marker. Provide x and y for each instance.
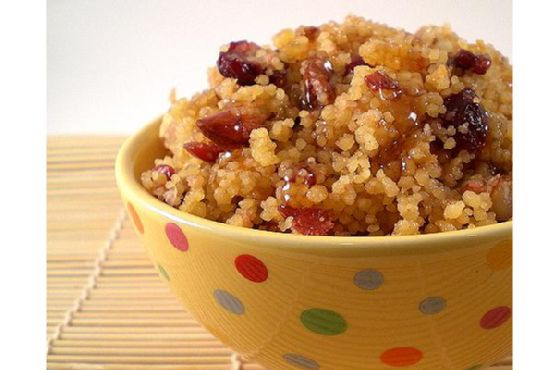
(107, 307)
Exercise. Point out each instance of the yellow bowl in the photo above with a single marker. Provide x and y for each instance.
(438, 301)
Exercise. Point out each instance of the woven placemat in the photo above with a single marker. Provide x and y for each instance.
(107, 306)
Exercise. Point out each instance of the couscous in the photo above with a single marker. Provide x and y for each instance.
(351, 128)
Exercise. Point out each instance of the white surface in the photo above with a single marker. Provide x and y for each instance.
(111, 64)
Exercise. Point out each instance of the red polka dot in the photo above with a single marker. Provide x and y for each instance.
(135, 218)
(496, 317)
(176, 237)
(251, 268)
(401, 356)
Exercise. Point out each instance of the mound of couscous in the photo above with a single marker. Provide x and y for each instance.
(350, 128)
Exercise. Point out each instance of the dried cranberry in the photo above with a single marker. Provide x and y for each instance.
(207, 152)
(464, 114)
(356, 60)
(287, 211)
(467, 60)
(239, 62)
(308, 221)
(311, 32)
(317, 88)
(165, 169)
(386, 86)
(482, 64)
(230, 128)
(309, 177)
(464, 59)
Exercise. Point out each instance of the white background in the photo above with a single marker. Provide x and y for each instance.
(111, 64)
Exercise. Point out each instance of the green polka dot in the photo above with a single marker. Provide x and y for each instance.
(163, 272)
(325, 322)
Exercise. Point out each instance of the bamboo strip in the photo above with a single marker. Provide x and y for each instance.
(129, 285)
(118, 263)
(68, 265)
(150, 294)
(80, 141)
(130, 322)
(70, 366)
(135, 329)
(207, 343)
(85, 156)
(141, 352)
(135, 336)
(152, 360)
(145, 315)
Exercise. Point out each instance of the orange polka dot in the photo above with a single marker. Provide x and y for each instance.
(401, 356)
(135, 218)
(499, 257)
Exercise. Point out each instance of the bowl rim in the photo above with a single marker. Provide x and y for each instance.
(131, 189)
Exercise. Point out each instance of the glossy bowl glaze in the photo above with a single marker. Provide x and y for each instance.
(437, 301)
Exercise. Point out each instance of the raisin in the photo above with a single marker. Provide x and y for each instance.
(296, 123)
(207, 152)
(469, 119)
(356, 60)
(317, 88)
(165, 169)
(466, 60)
(308, 221)
(278, 78)
(239, 62)
(380, 82)
(311, 32)
(231, 128)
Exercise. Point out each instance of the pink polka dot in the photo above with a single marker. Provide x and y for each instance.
(251, 268)
(176, 237)
(495, 317)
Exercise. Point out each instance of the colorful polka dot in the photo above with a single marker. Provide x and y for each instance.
(163, 272)
(135, 218)
(300, 361)
(495, 317)
(500, 256)
(322, 321)
(432, 305)
(229, 302)
(401, 356)
(176, 237)
(368, 279)
(251, 268)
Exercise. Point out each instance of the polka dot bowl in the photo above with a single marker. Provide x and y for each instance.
(439, 301)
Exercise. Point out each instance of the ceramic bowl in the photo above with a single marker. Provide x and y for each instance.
(437, 301)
